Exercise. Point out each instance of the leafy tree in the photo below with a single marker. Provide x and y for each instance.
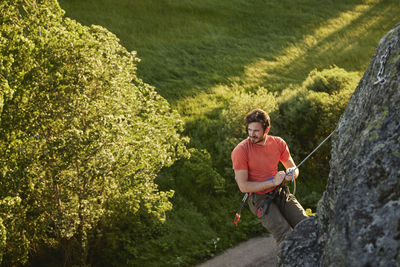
(81, 137)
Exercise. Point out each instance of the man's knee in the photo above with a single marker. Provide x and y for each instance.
(294, 212)
(276, 223)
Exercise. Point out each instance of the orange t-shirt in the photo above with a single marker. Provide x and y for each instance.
(261, 162)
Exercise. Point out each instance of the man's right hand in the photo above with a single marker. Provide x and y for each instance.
(279, 177)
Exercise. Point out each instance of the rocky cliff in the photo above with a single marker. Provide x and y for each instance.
(358, 217)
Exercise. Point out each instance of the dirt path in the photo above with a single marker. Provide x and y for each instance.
(259, 251)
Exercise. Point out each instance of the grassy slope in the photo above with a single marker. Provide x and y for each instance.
(197, 52)
(194, 51)
(190, 46)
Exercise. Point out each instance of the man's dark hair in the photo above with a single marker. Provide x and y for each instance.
(258, 115)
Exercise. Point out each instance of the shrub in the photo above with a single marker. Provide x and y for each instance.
(193, 178)
(332, 80)
(232, 122)
(307, 115)
(311, 115)
(222, 128)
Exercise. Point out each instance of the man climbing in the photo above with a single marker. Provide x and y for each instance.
(255, 162)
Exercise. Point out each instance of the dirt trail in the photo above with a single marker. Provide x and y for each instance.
(259, 251)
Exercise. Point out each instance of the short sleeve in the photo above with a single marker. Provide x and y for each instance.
(239, 158)
(283, 148)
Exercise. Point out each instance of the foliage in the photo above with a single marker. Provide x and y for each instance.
(233, 128)
(183, 239)
(310, 112)
(332, 80)
(82, 137)
(307, 115)
(13, 243)
(194, 176)
(222, 127)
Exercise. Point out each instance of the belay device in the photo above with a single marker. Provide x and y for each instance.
(237, 216)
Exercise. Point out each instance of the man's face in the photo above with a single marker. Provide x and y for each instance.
(256, 132)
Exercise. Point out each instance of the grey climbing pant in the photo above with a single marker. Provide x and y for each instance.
(282, 215)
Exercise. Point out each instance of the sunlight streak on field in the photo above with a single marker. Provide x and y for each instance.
(261, 70)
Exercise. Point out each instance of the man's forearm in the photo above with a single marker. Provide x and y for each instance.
(251, 187)
(247, 186)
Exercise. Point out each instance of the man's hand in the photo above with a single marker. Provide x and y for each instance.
(279, 177)
(289, 174)
(290, 166)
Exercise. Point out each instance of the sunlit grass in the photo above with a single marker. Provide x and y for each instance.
(327, 40)
(188, 47)
(347, 40)
(199, 54)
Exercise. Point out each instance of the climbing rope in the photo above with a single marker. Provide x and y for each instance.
(312, 152)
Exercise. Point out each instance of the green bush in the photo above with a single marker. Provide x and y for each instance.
(81, 137)
(332, 80)
(307, 115)
(13, 244)
(311, 111)
(193, 178)
(232, 123)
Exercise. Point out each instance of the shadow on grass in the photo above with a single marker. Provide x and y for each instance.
(187, 48)
(351, 46)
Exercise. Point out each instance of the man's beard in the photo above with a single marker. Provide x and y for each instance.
(256, 140)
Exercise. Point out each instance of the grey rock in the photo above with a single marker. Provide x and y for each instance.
(358, 217)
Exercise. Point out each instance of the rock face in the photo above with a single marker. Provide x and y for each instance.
(358, 217)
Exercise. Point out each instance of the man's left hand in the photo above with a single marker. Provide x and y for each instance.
(289, 174)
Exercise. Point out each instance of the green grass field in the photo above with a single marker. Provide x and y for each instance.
(188, 47)
(200, 54)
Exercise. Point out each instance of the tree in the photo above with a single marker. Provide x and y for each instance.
(81, 136)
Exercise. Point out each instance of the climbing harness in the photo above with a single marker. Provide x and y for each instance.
(261, 211)
(264, 208)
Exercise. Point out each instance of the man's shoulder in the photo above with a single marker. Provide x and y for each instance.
(242, 145)
(276, 139)
(239, 156)
(277, 143)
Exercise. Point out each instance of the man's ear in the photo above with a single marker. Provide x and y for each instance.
(267, 130)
